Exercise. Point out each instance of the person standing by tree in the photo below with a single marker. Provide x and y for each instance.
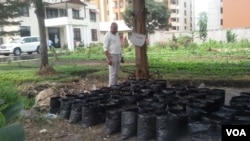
(113, 52)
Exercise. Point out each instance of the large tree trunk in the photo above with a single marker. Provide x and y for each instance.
(45, 69)
(140, 27)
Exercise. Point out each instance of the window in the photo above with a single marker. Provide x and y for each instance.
(76, 14)
(185, 20)
(221, 10)
(27, 40)
(24, 31)
(116, 16)
(92, 15)
(221, 22)
(115, 4)
(34, 39)
(77, 34)
(1, 41)
(185, 5)
(24, 11)
(63, 12)
(51, 13)
(94, 34)
(185, 12)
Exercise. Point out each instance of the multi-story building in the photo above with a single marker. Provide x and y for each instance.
(67, 23)
(215, 15)
(235, 13)
(223, 14)
(110, 10)
(181, 15)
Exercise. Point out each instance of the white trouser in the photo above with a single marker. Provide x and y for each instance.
(114, 69)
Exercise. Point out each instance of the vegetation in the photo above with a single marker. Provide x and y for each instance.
(9, 10)
(208, 61)
(157, 17)
(231, 37)
(202, 23)
(9, 130)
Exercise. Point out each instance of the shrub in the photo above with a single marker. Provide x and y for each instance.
(231, 37)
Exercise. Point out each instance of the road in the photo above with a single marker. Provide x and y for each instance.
(17, 58)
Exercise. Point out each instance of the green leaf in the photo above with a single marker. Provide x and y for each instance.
(12, 111)
(12, 132)
(2, 119)
(1, 101)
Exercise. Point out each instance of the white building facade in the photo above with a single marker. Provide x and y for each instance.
(215, 15)
(67, 23)
(181, 15)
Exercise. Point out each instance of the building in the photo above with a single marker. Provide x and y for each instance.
(224, 14)
(67, 22)
(110, 10)
(235, 14)
(182, 15)
(215, 15)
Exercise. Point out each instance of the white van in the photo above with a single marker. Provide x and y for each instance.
(20, 45)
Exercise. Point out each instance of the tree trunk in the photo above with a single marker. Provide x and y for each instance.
(140, 27)
(45, 69)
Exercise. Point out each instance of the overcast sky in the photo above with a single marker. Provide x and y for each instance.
(201, 6)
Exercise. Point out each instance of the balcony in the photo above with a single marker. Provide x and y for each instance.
(61, 21)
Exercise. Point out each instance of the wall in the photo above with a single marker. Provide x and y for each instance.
(217, 35)
(235, 13)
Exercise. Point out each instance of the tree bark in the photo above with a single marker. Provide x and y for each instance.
(40, 13)
(45, 69)
(140, 12)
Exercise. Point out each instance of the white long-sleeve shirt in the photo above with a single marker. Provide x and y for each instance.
(112, 43)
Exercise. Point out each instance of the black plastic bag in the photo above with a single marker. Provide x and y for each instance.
(146, 128)
(128, 123)
(75, 113)
(65, 107)
(92, 114)
(54, 105)
(113, 121)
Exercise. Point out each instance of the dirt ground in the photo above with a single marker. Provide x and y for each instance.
(39, 128)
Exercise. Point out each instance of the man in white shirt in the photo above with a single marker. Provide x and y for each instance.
(50, 44)
(113, 52)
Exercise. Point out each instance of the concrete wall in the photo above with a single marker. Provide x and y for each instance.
(217, 35)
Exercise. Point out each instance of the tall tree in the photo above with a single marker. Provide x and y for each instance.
(9, 13)
(139, 19)
(45, 68)
(157, 15)
(202, 23)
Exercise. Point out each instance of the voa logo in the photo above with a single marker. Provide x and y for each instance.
(236, 132)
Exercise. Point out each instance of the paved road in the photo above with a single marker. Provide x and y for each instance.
(4, 59)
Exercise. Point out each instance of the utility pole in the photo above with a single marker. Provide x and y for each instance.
(140, 14)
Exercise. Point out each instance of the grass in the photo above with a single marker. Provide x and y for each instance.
(208, 62)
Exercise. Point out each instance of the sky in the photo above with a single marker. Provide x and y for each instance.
(201, 6)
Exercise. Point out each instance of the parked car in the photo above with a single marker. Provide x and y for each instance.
(28, 44)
